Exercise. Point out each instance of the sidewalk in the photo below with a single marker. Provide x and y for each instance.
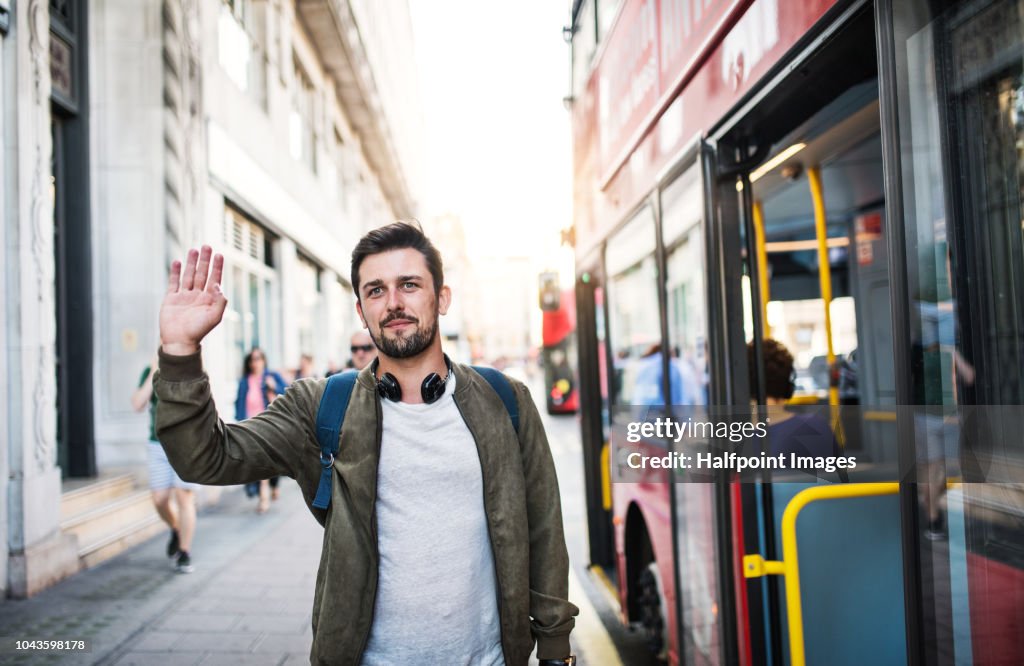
(248, 602)
(250, 599)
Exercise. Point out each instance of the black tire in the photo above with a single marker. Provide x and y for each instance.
(651, 605)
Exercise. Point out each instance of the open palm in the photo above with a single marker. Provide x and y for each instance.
(194, 303)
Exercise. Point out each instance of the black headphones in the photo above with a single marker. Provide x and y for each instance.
(790, 385)
(431, 389)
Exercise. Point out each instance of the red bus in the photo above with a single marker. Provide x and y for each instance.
(558, 353)
(844, 177)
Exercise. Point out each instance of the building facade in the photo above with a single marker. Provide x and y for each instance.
(135, 129)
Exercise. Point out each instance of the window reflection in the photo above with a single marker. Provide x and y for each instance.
(960, 107)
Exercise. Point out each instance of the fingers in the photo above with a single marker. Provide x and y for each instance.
(174, 279)
(189, 276)
(203, 266)
(203, 270)
(217, 271)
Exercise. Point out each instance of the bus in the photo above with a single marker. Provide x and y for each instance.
(558, 353)
(844, 178)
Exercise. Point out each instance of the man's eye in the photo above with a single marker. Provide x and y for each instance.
(375, 291)
(409, 285)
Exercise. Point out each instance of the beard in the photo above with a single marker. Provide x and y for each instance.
(405, 346)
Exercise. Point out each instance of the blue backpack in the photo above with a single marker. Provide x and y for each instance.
(331, 415)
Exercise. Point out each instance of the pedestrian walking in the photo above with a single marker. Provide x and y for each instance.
(257, 388)
(363, 350)
(305, 369)
(174, 499)
(443, 534)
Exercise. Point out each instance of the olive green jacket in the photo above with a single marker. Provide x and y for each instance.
(524, 517)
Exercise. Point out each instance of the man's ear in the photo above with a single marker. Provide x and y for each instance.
(359, 311)
(444, 300)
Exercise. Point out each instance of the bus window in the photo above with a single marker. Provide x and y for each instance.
(682, 206)
(636, 377)
(960, 89)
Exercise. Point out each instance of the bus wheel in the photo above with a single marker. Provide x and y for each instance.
(651, 603)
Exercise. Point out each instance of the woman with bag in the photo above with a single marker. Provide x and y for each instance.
(257, 388)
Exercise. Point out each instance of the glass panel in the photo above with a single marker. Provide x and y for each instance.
(606, 11)
(240, 51)
(302, 136)
(960, 70)
(584, 44)
(307, 320)
(687, 314)
(682, 205)
(255, 314)
(633, 318)
(236, 316)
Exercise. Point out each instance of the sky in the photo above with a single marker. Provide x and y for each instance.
(493, 76)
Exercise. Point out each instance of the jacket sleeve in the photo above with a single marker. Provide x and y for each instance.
(203, 449)
(550, 611)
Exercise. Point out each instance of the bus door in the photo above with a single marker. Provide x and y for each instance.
(594, 413)
(694, 502)
(807, 240)
(642, 381)
(957, 143)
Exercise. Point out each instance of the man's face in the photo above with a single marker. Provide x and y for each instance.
(363, 350)
(397, 302)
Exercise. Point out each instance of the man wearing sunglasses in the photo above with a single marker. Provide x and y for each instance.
(443, 539)
(363, 350)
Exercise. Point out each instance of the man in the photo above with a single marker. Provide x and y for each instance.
(443, 542)
(363, 350)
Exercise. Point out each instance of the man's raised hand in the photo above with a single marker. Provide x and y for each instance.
(193, 304)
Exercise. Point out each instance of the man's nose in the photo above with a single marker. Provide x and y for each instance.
(395, 300)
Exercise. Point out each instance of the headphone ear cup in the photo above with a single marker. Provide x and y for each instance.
(432, 388)
(389, 388)
(791, 386)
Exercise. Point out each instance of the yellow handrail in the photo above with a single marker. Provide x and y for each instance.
(825, 281)
(606, 477)
(762, 266)
(755, 566)
(824, 268)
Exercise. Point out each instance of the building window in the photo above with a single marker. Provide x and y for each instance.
(310, 321)
(241, 51)
(584, 45)
(340, 169)
(302, 129)
(252, 287)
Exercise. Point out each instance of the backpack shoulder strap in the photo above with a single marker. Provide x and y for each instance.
(503, 388)
(329, 418)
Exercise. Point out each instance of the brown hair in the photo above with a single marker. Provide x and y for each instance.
(778, 369)
(397, 236)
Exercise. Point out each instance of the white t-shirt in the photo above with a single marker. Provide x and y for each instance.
(437, 595)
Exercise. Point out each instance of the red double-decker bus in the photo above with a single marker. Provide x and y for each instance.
(558, 353)
(842, 177)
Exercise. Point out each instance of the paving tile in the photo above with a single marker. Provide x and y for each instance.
(278, 623)
(184, 621)
(223, 641)
(243, 659)
(282, 643)
(169, 659)
(157, 641)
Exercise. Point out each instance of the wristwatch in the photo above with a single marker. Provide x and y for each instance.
(568, 661)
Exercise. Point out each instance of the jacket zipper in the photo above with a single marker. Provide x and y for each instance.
(373, 528)
(490, 537)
